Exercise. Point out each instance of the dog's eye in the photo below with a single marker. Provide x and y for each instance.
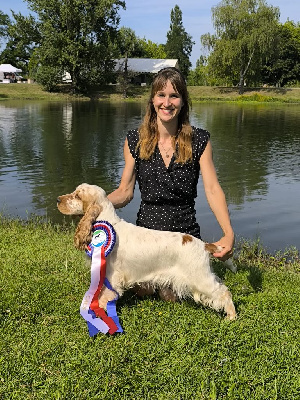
(77, 197)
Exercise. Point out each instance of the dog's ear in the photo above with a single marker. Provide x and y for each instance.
(83, 234)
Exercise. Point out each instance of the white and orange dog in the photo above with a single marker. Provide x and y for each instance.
(146, 256)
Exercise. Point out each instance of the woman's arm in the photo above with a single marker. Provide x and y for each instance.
(124, 193)
(217, 202)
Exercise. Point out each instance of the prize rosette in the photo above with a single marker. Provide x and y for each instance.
(103, 235)
(98, 319)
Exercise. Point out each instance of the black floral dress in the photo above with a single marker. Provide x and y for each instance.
(168, 193)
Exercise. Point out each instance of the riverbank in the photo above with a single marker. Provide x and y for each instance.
(34, 91)
(168, 350)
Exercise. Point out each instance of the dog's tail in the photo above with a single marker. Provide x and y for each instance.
(212, 248)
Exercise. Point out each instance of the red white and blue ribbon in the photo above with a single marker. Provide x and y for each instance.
(97, 319)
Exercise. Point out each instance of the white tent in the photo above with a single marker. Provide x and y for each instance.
(9, 68)
(145, 64)
(9, 73)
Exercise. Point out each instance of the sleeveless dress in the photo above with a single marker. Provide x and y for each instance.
(168, 193)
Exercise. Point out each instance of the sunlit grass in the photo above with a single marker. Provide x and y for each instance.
(25, 91)
(265, 95)
(168, 351)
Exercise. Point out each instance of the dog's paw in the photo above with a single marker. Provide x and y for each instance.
(231, 317)
(231, 314)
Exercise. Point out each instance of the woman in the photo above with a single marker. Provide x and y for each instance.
(165, 156)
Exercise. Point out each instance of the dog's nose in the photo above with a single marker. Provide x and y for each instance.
(58, 200)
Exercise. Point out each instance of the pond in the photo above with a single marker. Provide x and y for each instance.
(47, 149)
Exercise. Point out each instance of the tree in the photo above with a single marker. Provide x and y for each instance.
(152, 50)
(198, 76)
(128, 46)
(4, 21)
(77, 36)
(283, 67)
(131, 46)
(179, 43)
(128, 43)
(245, 34)
(23, 35)
(135, 47)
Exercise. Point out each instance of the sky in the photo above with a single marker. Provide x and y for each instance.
(151, 19)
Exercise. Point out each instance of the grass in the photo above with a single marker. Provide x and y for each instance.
(112, 93)
(282, 95)
(168, 351)
(24, 91)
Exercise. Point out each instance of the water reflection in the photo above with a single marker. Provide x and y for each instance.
(46, 149)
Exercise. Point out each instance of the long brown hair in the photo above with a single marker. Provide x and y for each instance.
(148, 130)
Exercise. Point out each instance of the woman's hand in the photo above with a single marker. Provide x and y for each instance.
(227, 243)
(217, 202)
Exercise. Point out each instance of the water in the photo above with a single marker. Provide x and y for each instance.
(47, 149)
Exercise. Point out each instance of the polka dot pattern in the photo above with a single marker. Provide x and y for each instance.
(168, 193)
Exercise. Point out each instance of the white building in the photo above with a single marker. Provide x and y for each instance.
(143, 67)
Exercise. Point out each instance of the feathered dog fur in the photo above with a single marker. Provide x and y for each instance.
(146, 256)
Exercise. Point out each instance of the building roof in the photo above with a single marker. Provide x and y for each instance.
(9, 68)
(152, 65)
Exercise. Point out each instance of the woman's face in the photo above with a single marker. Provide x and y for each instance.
(167, 103)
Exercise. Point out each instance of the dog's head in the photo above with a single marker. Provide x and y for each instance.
(81, 200)
(85, 200)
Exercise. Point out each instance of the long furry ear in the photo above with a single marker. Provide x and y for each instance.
(83, 234)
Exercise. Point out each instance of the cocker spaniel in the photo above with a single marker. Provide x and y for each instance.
(146, 256)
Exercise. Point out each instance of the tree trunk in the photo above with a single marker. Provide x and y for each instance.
(243, 74)
(125, 76)
(241, 82)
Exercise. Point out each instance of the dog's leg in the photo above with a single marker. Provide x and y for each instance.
(229, 307)
(220, 300)
(105, 296)
(212, 292)
(167, 294)
(142, 290)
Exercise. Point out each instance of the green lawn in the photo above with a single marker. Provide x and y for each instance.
(168, 351)
(24, 91)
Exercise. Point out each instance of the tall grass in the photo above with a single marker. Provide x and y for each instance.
(168, 351)
(255, 95)
(25, 91)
